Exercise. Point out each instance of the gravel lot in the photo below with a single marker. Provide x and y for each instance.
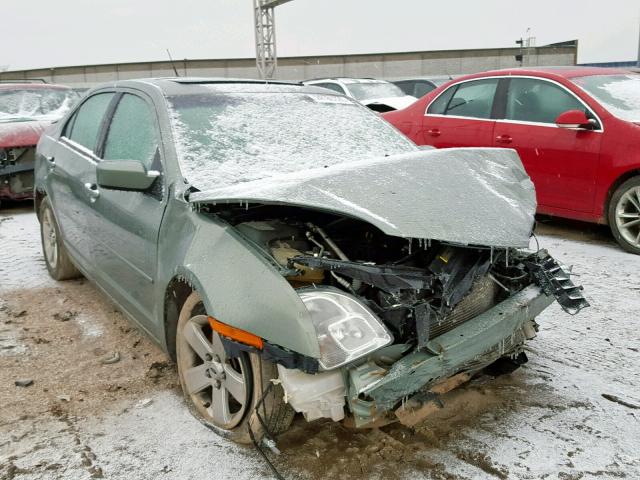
(573, 412)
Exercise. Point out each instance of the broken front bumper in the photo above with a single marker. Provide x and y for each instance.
(478, 342)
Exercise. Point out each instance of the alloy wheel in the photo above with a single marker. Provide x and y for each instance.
(218, 386)
(627, 216)
(49, 239)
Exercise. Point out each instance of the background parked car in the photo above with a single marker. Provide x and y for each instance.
(419, 86)
(378, 95)
(576, 129)
(26, 109)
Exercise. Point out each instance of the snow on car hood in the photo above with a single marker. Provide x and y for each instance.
(473, 196)
(21, 134)
(397, 103)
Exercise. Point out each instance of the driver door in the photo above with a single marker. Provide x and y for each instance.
(561, 162)
(125, 236)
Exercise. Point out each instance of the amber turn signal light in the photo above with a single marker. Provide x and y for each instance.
(236, 334)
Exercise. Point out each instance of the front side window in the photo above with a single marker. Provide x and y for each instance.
(473, 99)
(132, 133)
(85, 125)
(532, 100)
(230, 138)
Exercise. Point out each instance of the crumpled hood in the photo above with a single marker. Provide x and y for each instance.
(474, 196)
(397, 103)
(21, 134)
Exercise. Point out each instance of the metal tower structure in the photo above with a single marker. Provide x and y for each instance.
(265, 29)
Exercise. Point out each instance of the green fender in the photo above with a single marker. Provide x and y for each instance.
(241, 287)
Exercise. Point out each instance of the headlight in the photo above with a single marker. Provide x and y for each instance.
(346, 328)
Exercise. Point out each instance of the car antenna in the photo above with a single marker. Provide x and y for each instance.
(175, 70)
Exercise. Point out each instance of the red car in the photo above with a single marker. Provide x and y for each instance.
(576, 129)
(26, 109)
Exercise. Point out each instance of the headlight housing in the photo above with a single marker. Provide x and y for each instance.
(346, 329)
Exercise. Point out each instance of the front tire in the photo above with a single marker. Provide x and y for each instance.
(624, 215)
(223, 392)
(56, 257)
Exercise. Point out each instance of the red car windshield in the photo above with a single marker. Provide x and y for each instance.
(619, 94)
(35, 103)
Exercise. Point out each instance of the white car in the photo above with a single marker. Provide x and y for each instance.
(378, 95)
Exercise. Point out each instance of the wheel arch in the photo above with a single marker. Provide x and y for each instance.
(176, 293)
(38, 197)
(614, 186)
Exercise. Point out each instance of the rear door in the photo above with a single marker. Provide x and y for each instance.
(561, 162)
(72, 171)
(461, 116)
(125, 235)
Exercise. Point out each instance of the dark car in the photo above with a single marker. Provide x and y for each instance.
(420, 86)
(291, 250)
(26, 109)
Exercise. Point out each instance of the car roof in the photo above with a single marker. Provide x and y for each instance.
(348, 80)
(568, 72)
(193, 85)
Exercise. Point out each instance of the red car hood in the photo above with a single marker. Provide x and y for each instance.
(21, 134)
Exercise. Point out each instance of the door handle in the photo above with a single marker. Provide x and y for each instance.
(51, 161)
(434, 132)
(92, 191)
(504, 139)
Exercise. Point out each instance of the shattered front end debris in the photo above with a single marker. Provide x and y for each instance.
(455, 287)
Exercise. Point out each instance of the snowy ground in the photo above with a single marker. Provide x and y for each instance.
(85, 418)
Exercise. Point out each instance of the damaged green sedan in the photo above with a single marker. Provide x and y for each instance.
(292, 251)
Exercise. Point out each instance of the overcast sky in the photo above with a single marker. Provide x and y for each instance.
(78, 32)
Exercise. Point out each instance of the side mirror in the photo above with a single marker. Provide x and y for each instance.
(574, 119)
(125, 175)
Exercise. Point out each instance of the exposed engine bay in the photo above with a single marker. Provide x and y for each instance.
(419, 288)
(16, 172)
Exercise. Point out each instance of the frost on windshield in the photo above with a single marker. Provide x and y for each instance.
(226, 139)
(619, 94)
(35, 104)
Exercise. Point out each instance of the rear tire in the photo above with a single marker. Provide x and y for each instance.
(56, 257)
(624, 215)
(212, 382)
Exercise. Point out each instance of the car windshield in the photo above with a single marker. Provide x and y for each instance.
(226, 139)
(35, 103)
(619, 94)
(368, 91)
